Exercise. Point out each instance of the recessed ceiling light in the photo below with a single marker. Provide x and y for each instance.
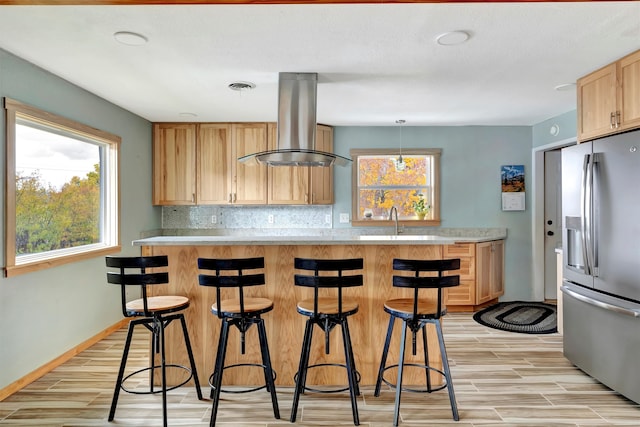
(129, 38)
(188, 115)
(565, 86)
(452, 38)
(241, 86)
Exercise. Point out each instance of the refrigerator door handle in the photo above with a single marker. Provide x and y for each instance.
(598, 303)
(585, 214)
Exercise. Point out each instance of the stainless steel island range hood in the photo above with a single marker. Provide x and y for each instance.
(297, 93)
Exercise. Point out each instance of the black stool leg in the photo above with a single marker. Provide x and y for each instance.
(190, 353)
(123, 364)
(350, 363)
(396, 412)
(447, 372)
(353, 363)
(266, 361)
(385, 352)
(218, 370)
(425, 347)
(302, 368)
(163, 364)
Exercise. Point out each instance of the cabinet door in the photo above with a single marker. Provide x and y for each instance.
(214, 164)
(596, 103)
(497, 269)
(483, 272)
(629, 91)
(465, 293)
(321, 191)
(174, 164)
(250, 181)
(288, 185)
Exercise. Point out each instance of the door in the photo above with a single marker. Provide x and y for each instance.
(616, 214)
(552, 220)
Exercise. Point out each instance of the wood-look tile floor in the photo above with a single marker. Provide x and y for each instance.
(500, 379)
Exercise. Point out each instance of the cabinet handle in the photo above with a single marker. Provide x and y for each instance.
(612, 120)
(230, 198)
(235, 197)
(618, 119)
(193, 197)
(306, 197)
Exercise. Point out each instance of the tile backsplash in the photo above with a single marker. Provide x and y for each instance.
(247, 217)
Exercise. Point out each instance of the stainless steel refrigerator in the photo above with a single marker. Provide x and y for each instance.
(601, 256)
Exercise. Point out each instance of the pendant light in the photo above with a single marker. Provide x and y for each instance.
(399, 162)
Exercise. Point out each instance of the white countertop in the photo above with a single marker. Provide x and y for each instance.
(402, 239)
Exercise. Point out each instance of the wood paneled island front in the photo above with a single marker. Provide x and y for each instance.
(285, 327)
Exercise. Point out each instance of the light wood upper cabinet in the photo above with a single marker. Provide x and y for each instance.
(321, 187)
(481, 275)
(215, 160)
(288, 185)
(299, 185)
(249, 183)
(609, 99)
(197, 164)
(174, 164)
(629, 91)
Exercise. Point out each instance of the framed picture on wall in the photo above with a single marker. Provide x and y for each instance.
(512, 182)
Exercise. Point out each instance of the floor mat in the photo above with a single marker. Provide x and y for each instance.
(519, 316)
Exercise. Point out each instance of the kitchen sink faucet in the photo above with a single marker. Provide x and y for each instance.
(391, 211)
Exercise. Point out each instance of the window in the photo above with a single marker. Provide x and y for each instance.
(381, 182)
(62, 190)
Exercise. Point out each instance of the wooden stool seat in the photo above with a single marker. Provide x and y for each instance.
(403, 307)
(159, 304)
(231, 307)
(328, 305)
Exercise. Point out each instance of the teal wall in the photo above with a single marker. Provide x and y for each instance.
(567, 129)
(470, 182)
(46, 313)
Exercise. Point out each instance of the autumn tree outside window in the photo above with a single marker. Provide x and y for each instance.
(379, 184)
(62, 190)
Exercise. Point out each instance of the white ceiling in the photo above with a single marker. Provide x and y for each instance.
(376, 62)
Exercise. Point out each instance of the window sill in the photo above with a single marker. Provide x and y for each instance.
(15, 270)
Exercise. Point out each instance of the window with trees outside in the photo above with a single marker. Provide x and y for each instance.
(62, 190)
(384, 179)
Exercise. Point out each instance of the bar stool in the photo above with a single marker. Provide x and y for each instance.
(241, 312)
(154, 313)
(327, 312)
(415, 314)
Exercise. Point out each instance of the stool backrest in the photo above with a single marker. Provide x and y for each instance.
(337, 280)
(418, 282)
(238, 280)
(133, 271)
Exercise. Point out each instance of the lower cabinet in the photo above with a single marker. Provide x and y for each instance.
(481, 275)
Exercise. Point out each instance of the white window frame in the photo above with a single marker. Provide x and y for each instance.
(434, 200)
(109, 191)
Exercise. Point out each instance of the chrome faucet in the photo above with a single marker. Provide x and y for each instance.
(391, 211)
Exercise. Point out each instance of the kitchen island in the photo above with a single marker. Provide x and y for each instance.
(285, 327)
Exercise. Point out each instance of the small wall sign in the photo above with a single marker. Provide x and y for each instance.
(513, 194)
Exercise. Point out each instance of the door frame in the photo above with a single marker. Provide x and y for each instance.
(537, 214)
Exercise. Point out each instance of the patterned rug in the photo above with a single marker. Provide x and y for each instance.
(519, 316)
